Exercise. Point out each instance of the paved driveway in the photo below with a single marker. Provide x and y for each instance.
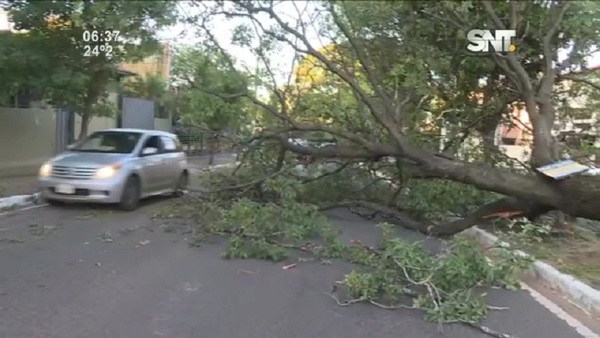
(79, 272)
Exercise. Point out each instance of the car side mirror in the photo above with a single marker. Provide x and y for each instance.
(149, 151)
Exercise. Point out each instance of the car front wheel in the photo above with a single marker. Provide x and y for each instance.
(182, 185)
(130, 197)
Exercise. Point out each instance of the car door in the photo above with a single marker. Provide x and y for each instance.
(153, 177)
(172, 157)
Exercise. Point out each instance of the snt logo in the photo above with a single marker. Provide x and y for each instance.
(500, 40)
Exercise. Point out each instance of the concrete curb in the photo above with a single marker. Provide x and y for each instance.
(19, 201)
(577, 292)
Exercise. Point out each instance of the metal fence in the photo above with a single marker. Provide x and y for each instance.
(201, 142)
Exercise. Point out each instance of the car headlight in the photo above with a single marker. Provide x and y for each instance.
(107, 172)
(45, 170)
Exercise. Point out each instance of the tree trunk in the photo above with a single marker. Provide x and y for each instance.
(491, 119)
(201, 142)
(576, 196)
(96, 86)
(487, 131)
(211, 150)
(85, 123)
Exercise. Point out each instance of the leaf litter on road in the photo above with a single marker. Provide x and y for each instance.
(106, 237)
(128, 231)
(11, 240)
(290, 266)
(142, 243)
(40, 230)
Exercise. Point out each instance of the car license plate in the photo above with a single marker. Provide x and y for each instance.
(65, 189)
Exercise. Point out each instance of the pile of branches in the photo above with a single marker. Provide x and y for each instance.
(266, 208)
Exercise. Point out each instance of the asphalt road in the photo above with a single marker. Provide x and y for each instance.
(201, 161)
(77, 272)
(94, 272)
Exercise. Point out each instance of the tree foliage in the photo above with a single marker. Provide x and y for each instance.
(151, 87)
(410, 78)
(51, 51)
(268, 217)
(198, 73)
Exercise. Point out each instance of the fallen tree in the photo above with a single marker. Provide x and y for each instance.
(266, 218)
(414, 118)
(393, 97)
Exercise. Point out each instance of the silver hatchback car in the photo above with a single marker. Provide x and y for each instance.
(116, 166)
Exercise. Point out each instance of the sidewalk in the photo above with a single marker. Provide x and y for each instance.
(19, 185)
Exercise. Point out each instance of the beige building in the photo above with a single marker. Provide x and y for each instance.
(159, 64)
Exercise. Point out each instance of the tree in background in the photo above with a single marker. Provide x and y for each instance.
(68, 71)
(197, 72)
(151, 87)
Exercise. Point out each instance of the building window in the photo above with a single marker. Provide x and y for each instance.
(161, 111)
(507, 141)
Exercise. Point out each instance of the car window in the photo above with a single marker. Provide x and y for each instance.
(169, 144)
(153, 142)
(178, 144)
(109, 142)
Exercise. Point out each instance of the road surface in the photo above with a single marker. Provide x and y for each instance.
(94, 272)
(91, 272)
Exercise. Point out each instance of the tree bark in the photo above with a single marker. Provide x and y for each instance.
(508, 207)
(98, 81)
(487, 130)
(211, 150)
(577, 196)
(85, 124)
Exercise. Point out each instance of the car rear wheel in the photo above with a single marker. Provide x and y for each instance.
(130, 197)
(182, 185)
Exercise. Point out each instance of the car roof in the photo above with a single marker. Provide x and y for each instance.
(143, 131)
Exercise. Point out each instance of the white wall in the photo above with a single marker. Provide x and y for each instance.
(521, 153)
(27, 138)
(163, 124)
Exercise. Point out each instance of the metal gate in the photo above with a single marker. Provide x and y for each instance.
(137, 113)
(64, 132)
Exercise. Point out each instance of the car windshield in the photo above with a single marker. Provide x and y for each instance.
(116, 142)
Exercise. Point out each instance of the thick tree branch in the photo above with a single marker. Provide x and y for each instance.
(505, 207)
(521, 73)
(547, 82)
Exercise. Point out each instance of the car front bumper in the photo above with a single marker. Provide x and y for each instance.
(93, 190)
